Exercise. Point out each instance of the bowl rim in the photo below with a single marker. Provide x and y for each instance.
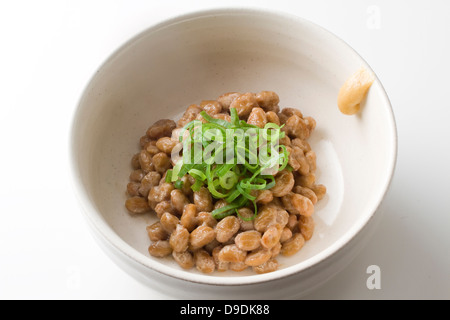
(107, 233)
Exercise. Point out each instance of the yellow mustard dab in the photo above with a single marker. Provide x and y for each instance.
(353, 91)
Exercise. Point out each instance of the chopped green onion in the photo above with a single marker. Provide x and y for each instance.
(245, 193)
(169, 175)
(252, 217)
(229, 209)
(185, 169)
(233, 195)
(219, 122)
(271, 184)
(197, 174)
(178, 184)
(176, 170)
(228, 180)
(225, 169)
(233, 169)
(260, 184)
(284, 158)
(197, 185)
(234, 117)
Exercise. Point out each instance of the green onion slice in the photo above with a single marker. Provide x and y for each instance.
(235, 168)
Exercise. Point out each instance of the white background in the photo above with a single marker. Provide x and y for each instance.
(49, 50)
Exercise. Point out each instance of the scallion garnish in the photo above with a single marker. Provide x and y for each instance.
(228, 164)
(169, 176)
(178, 184)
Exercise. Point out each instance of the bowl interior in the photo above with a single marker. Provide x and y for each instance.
(183, 61)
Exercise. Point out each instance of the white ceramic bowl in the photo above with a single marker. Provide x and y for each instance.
(158, 73)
